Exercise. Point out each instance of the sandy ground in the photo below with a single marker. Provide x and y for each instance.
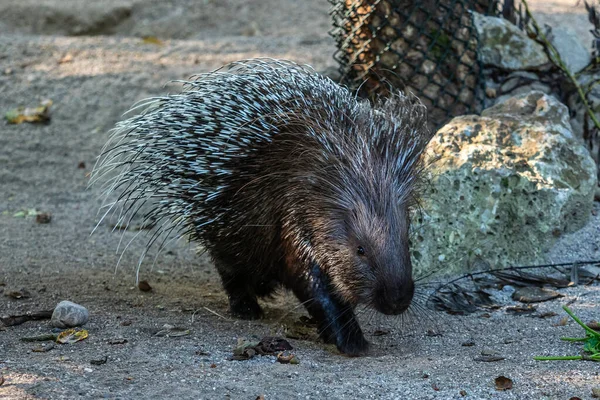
(92, 80)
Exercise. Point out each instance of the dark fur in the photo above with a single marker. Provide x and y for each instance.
(282, 175)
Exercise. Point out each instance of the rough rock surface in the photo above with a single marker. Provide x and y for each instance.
(579, 116)
(505, 46)
(504, 186)
(572, 51)
(68, 315)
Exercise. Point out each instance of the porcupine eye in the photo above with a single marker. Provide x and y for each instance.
(360, 251)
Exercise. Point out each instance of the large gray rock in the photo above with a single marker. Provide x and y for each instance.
(68, 315)
(572, 51)
(580, 117)
(503, 187)
(505, 46)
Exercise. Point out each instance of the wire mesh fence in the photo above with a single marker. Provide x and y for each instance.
(426, 47)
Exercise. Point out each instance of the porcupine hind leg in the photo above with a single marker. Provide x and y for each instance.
(336, 319)
(241, 291)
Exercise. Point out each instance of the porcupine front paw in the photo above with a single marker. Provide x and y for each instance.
(348, 338)
(245, 307)
(353, 345)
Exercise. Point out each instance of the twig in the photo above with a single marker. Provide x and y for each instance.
(12, 320)
(216, 313)
(472, 274)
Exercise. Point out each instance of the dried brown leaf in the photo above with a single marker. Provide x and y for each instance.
(144, 286)
(562, 322)
(503, 383)
(488, 358)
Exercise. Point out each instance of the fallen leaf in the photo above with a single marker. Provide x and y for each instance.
(99, 361)
(213, 365)
(71, 336)
(503, 383)
(562, 322)
(488, 358)
(18, 294)
(245, 350)
(144, 286)
(272, 344)
(533, 294)
(521, 309)
(546, 314)
(152, 40)
(289, 359)
(31, 212)
(463, 393)
(40, 114)
(593, 325)
(525, 279)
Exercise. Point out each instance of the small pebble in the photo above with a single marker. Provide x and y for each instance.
(68, 315)
(487, 352)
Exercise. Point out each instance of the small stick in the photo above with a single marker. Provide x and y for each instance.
(216, 313)
(12, 320)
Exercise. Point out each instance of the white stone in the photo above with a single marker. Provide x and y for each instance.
(68, 315)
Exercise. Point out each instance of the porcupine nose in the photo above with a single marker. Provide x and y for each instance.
(394, 299)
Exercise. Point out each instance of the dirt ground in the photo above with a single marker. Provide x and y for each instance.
(88, 58)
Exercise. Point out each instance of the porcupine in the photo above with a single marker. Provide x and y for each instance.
(286, 179)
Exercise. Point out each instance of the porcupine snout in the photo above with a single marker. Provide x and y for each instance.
(394, 287)
(392, 298)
